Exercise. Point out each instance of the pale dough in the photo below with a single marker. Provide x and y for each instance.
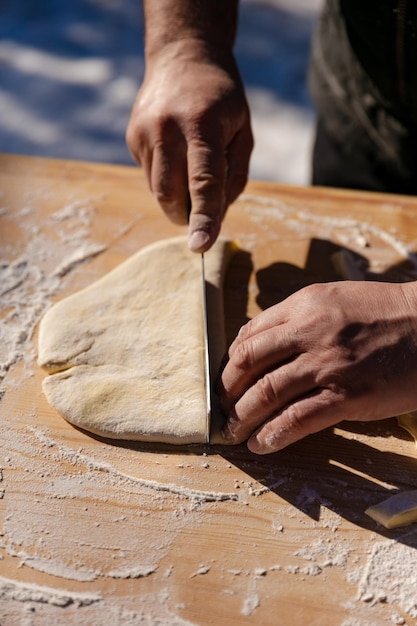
(401, 508)
(125, 355)
(398, 510)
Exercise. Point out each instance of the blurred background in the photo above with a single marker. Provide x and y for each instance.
(69, 73)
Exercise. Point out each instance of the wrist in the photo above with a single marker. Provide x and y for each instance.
(207, 27)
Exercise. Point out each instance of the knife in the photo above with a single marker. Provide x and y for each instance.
(207, 383)
(206, 364)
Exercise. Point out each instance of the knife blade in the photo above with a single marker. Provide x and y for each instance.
(207, 383)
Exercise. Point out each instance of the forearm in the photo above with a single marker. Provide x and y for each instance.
(209, 23)
(190, 125)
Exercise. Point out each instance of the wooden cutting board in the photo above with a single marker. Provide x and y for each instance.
(94, 532)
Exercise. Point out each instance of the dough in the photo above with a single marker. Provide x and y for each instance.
(125, 355)
(401, 508)
(398, 510)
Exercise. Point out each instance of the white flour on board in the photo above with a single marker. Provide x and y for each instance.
(48, 606)
(27, 592)
(28, 284)
(55, 247)
(379, 246)
(390, 575)
(67, 454)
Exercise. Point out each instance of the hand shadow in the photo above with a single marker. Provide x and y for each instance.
(280, 280)
(330, 470)
(236, 293)
(360, 475)
(326, 469)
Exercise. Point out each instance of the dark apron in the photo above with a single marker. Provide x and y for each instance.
(363, 80)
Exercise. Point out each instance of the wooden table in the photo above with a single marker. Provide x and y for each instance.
(95, 533)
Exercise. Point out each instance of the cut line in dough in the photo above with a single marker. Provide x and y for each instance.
(125, 355)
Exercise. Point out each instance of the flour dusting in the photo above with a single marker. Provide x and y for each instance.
(377, 248)
(192, 494)
(54, 248)
(390, 576)
(250, 604)
(103, 506)
(27, 592)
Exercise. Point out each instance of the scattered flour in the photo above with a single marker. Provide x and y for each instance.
(250, 604)
(204, 569)
(29, 282)
(132, 572)
(390, 576)
(27, 285)
(27, 592)
(49, 606)
(73, 456)
(83, 253)
(385, 247)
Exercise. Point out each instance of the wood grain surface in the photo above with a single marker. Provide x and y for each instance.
(94, 532)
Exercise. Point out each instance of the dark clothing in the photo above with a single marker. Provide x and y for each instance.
(364, 85)
(383, 34)
(358, 168)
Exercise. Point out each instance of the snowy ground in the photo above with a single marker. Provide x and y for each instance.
(70, 72)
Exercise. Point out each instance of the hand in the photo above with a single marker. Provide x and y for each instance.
(190, 130)
(330, 352)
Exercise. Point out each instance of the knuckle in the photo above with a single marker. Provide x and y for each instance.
(202, 118)
(204, 180)
(133, 139)
(244, 357)
(164, 195)
(164, 126)
(155, 128)
(244, 332)
(267, 391)
(235, 187)
(130, 136)
(295, 418)
(207, 168)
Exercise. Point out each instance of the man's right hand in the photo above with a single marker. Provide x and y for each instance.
(190, 130)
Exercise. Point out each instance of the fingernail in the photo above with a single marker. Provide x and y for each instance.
(198, 240)
(254, 445)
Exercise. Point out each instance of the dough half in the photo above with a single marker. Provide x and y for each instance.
(125, 355)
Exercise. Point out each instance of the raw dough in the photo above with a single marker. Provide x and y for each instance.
(401, 508)
(126, 354)
(398, 510)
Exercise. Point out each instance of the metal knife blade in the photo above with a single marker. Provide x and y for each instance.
(206, 347)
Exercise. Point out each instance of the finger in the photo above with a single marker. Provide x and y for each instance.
(169, 179)
(252, 359)
(207, 170)
(138, 143)
(301, 418)
(269, 394)
(238, 157)
(267, 320)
